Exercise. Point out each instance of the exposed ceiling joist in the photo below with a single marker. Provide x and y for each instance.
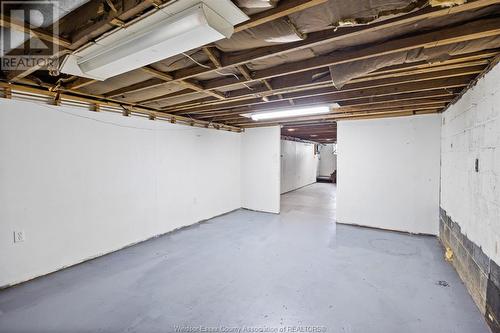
(284, 8)
(441, 102)
(332, 36)
(439, 94)
(42, 34)
(476, 58)
(313, 39)
(361, 115)
(472, 30)
(322, 95)
(341, 113)
(410, 88)
(354, 86)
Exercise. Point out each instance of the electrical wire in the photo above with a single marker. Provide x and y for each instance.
(216, 71)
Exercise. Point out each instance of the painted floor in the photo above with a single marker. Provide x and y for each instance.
(248, 271)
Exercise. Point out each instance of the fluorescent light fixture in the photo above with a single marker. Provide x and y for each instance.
(286, 113)
(291, 129)
(178, 27)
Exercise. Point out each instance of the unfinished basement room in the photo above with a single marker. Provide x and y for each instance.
(275, 166)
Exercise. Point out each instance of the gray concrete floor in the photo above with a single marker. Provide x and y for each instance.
(255, 270)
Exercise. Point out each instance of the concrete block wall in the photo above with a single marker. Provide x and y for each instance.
(480, 274)
(470, 191)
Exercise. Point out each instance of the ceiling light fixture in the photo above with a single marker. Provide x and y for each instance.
(291, 129)
(286, 113)
(178, 27)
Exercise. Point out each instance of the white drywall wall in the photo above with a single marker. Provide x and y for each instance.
(388, 173)
(327, 160)
(81, 184)
(299, 165)
(260, 169)
(470, 130)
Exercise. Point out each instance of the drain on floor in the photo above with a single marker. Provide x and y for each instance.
(443, 283)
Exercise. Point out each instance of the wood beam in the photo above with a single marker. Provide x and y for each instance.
(322, 37)
(454, 36)
(416, 105)
(130, 8)
(198, 87)
(465, 32)
(159, 80)
(245, 72)
(8, 22)
(332, 36)
(212, 56)
(336, 117)
(297, 81)
(310, 130)
(439, 94)
(441, 102)
(156, 73)
(284, 8)
(459, 59)
(322, 94)
(127, 9)
(80, 83)
(352, 86)
(139, 86)
(476, 58)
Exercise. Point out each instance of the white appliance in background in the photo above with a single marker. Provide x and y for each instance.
(177, 27)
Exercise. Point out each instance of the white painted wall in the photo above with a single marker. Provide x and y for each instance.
(471, 129)
(327, 160)
(260, 169)
(81, 184)
(388, 173)
(299, 165)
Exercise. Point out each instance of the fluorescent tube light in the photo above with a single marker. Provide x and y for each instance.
(176, 28)
(290, 113)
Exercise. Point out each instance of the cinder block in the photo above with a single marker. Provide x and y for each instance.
(481, 258)
(495, 273)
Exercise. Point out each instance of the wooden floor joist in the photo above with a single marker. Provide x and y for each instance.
(415, 79)
(361, 115)
(475, 58)
(330, 37)
(439, 94)
(442, 102)
(470, 31)
(217, 90)
(283, 9)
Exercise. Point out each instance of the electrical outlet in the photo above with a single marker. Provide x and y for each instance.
(19, 236)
